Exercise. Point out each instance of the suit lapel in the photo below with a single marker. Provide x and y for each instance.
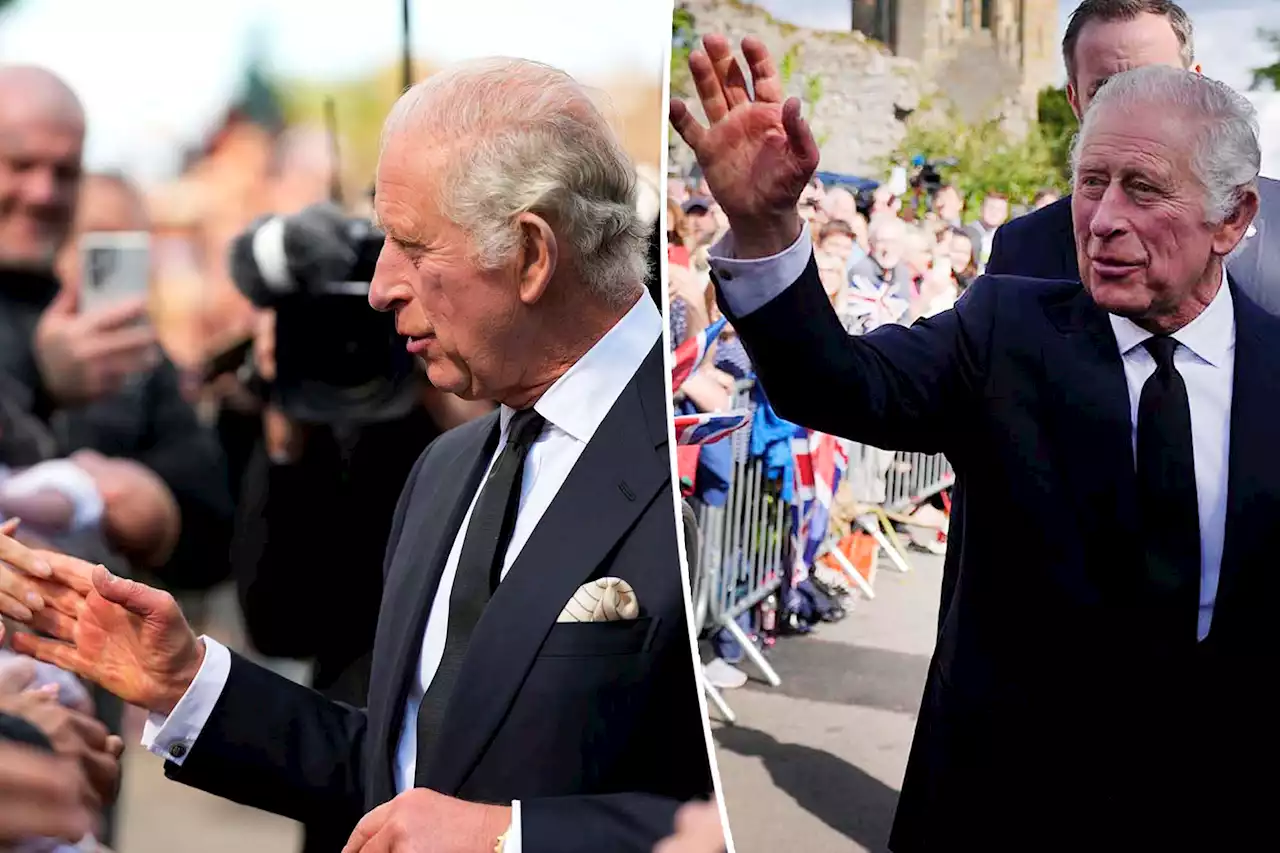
(1092, 421)
(1252, 465)
(414, 578)
(617, 476)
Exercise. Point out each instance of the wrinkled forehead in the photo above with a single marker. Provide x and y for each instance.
(1106, 48)
(1146, 138)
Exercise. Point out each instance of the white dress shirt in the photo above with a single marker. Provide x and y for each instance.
(574, 406)
(1205, 359)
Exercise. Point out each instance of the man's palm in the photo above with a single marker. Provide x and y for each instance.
(126, 637)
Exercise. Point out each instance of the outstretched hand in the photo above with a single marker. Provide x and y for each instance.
(758, 154)
(129, 638)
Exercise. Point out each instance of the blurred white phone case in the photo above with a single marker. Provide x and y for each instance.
(115, 266)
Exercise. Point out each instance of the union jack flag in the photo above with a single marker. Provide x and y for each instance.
(875, 303)
(820, 463)
(691, 353)
(709, 427)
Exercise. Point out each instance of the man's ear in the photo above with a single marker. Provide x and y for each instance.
(537, 257)
(1234, 228)
(1073, 99)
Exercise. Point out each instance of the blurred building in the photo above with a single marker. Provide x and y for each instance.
(982, 54)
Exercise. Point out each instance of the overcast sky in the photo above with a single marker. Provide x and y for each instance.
(154, 73)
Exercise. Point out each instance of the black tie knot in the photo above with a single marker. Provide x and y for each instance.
(1161, 348)
(525, 427)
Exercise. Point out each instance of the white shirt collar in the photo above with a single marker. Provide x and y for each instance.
(1210, 336)
(578, 401)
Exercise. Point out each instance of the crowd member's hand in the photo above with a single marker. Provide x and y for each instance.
(41, 796)
(423, 821)
(129, 638)
(756, 156)
(74, 735)
(698, 830)
(85, 357)
(140, 516)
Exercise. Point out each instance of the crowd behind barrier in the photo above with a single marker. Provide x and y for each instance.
(791, 523)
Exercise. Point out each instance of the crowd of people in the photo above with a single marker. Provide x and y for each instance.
(883, 259)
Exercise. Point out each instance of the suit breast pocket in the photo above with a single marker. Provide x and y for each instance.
(598, 639)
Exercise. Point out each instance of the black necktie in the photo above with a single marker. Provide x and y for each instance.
(478, 573)
(1167, 502)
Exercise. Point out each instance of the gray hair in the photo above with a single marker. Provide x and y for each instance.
(522, 137)
(1226, 156)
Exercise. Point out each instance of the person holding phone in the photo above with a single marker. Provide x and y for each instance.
(94, 359)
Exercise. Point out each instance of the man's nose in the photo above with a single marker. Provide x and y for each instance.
(40, 186)
(1109, 213)
(382, 287)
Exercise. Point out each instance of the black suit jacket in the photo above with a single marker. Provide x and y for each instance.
(1049, 720)
(596, 728)
(1042, 245)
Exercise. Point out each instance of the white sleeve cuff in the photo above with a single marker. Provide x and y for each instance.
(173, 736)
(751, 284)
(513, 842)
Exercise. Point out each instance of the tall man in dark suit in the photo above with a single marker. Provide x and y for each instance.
(1103, 38)
(1102, 674)
(533, 685)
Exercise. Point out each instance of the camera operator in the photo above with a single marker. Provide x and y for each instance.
(320, 488)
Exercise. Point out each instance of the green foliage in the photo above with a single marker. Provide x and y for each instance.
(684, 36)
(988, 159)
(787, 66)
(1057, 125)
(1268, 76)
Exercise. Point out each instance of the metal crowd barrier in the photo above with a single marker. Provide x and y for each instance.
(739, 552)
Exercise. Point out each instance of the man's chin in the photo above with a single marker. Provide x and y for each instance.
(445, 376)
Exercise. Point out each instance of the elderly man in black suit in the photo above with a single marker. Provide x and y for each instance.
(533, 685)
(1103, 38)
(1102, 678)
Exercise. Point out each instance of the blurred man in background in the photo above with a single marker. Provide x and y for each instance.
(168, 510)
(96, 380)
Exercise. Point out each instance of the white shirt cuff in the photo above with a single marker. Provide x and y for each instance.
(513, 842)
(173, 736)
(751, 284)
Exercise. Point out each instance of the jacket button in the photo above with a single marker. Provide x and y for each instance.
(178, 750)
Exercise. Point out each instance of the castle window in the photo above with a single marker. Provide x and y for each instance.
(987, 10)
(966, 14)
(877, 19)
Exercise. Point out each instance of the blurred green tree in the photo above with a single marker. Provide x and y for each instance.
(987, 158)
(1058, 126)
(1268, 76)
(684, 36)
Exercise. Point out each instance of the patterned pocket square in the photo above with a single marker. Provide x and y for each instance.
(603, 600)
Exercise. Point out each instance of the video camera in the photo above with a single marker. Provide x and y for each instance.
(337, 360)
(927, 177)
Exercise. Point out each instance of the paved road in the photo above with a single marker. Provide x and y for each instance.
(816, 764)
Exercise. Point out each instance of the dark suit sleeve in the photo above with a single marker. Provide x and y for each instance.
(1001, 262)
(625, 823)
(898, 388)
(277, 746)
(18, 730)
(186, 455)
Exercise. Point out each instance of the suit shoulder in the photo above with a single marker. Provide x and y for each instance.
(449, 444)
(1050, 218)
